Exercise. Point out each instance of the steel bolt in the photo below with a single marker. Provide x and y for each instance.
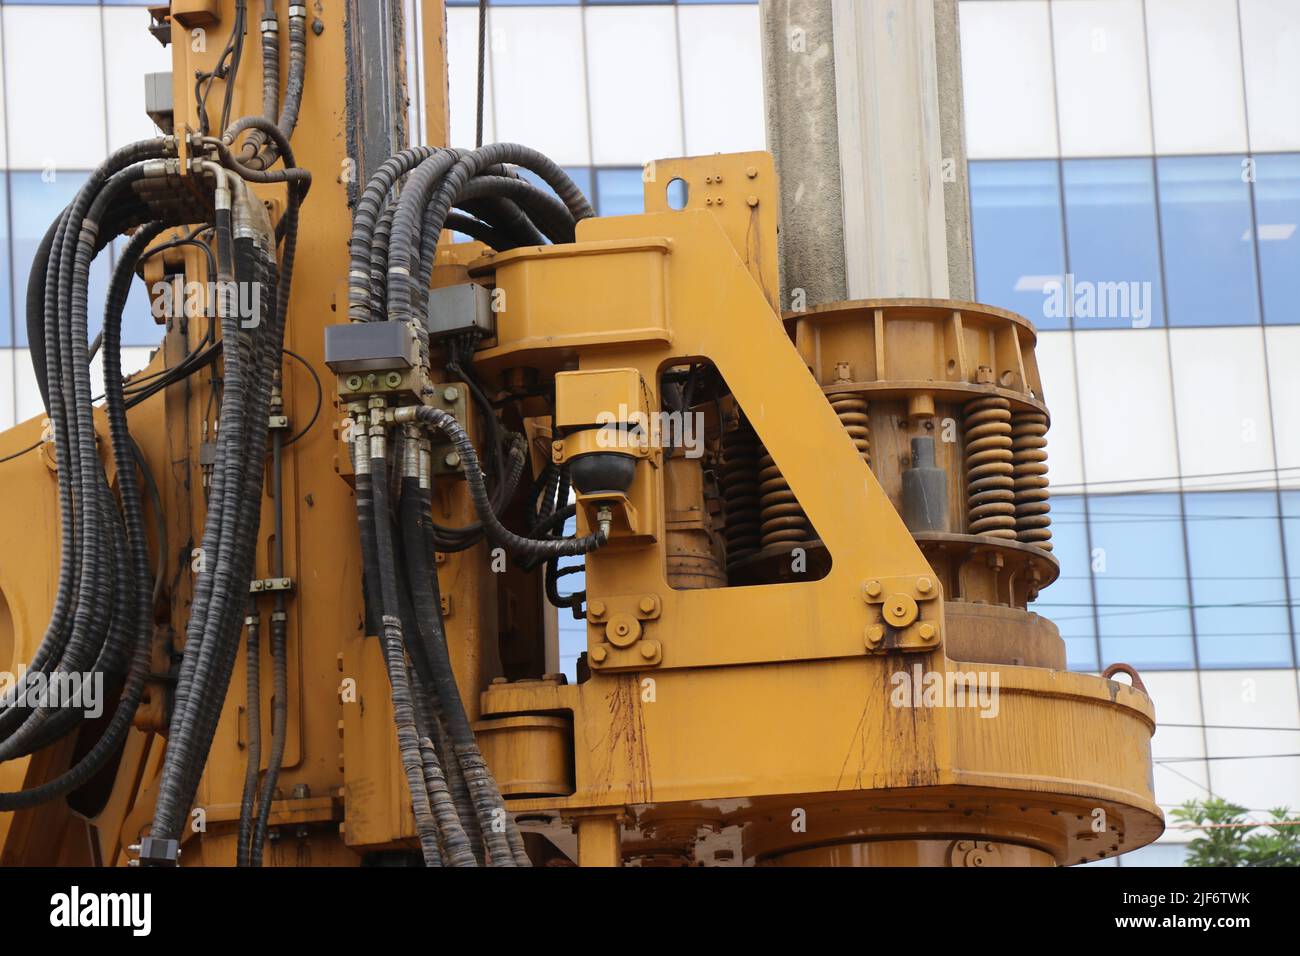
(647, 604)
(598, 654)
(452, 460)
(450, 394)
(923, 585)
(648, 650)
(872, 588)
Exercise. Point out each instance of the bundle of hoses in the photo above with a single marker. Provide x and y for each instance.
(266, 139)
(260, 150)
(460, 815)
(405, 206)
(101, 626)
(100, 629)
(252, 353)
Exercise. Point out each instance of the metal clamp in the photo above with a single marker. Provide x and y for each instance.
(268, 585)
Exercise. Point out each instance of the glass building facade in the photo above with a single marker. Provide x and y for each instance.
(1135, 192)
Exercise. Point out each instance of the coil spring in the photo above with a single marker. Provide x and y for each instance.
(1029, 447)
(738, 482)
(784, 522)
(851, 408)
(990, 488)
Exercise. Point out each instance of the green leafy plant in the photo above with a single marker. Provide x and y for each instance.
(1232, 840)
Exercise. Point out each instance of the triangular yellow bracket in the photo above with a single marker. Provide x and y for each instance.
(740, 190)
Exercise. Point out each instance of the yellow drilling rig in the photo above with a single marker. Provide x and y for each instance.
(310, 560)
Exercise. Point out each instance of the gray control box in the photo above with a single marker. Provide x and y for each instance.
(367, 346)
(158, 100)
(459, 308)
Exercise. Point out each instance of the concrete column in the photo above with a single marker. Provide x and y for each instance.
(891, 83)
(803, 136)
(952, 140)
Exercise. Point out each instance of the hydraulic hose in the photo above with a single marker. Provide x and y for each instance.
(254, 695)
(394, 654)
(124, 453)
(230, 532)
(279, 661)
(270, 79)
(527, 548)
(488, 804)
(95, 640)
(370, 207)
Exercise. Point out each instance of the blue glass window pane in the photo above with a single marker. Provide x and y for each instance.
(1291, 541)
(1141, 581)
(1016, 231)
(1240, 599)
(35, 203)
(572, 633)
(520, 3)
(581, 176)
(1206, 224)
(620, 192)
(6, 307)
(1277, 216)
(138, 325)
(1068, 601)
(1110, 223)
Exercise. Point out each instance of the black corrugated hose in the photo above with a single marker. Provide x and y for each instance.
(101, 624)
(230, 533)
(397, 222)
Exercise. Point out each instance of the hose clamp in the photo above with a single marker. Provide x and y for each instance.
(410, 452)
(360, 458)
(426, 468)
(360, 446)
(155, 168)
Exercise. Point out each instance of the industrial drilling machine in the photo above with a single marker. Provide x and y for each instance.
(315, 553)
